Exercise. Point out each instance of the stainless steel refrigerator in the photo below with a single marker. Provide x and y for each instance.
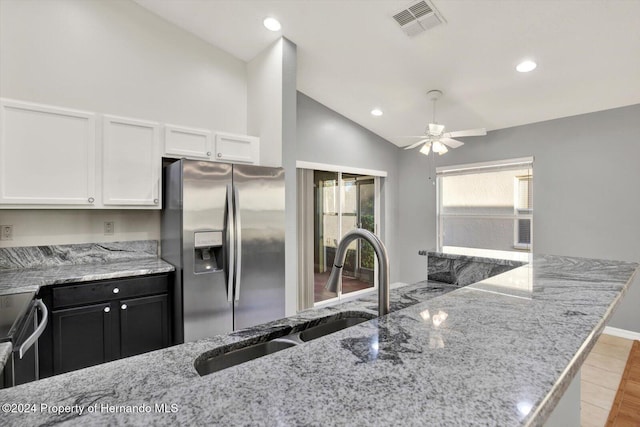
(223, 230)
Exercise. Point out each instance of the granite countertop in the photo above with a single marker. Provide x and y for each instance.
(32, 279)
(474, 355)
(25, 269)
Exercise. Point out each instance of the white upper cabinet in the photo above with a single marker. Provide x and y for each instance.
(47, 155)
(237, 148)
(131, 162)
(190, 143)
(53, 157)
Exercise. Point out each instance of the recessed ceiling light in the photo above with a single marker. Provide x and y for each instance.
(526, 66)
(272, 24)
(376, 112)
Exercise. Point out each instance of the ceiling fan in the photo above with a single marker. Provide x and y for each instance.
(435, 138)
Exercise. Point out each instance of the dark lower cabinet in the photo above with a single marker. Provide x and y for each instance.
(96, 322)
(82, 337)
(144, 324)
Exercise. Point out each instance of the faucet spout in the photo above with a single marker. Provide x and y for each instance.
(383, 265)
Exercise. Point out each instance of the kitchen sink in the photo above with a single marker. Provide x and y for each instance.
(209, 365)
(330, 327)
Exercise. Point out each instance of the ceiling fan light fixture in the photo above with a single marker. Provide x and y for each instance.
(439, 147)
(526, 66)
(426, 148)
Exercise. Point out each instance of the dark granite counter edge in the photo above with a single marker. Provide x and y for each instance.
(476, 258)
(5, 353)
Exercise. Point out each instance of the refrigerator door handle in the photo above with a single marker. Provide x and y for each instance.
(236, 199)
(231, 242)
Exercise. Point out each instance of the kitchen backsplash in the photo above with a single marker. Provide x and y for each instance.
(84, 253)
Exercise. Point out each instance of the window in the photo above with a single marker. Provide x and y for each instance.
(332, 203)
(523, 209)
(486, 209)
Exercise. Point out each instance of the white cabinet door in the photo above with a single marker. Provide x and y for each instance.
(237, 148)
(131, 162)
(47, 155)
(180, 141)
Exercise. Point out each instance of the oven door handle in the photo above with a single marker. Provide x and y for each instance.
(26, 345)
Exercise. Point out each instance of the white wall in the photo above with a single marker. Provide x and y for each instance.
(45, 227)
(324, 136)
(271, 114)
(289, 156)
(585, 191)
(264, 112)
(112, 57)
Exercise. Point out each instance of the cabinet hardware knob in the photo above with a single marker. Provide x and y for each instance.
(123, 306)
(155, 201)
(107, 309)
(116, 290)
(219, 155)
(208, 153)
(91, 199)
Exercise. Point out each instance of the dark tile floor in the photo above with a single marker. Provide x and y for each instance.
(349, 284)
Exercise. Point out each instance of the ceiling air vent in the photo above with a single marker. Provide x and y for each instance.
(418, 17)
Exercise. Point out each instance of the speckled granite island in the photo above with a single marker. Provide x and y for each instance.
(498, 352)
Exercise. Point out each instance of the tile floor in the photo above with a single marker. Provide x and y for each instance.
(601, 374)
(349, 284)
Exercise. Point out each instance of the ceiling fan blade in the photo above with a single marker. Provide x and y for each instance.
(435, 129)
(468, 132)
(453, 143)
(414, 145)
(412, 136)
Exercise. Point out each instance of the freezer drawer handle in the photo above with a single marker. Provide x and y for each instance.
(238, 243)
(231, 236)
(26, 345)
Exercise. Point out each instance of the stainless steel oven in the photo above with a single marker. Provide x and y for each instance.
(21, 325)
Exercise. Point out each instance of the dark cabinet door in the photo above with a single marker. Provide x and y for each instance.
(144, 324)
(82, 337)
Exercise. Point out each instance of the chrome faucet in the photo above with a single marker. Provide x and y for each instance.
(383, 265)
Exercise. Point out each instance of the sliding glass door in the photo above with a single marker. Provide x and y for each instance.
(343, 202)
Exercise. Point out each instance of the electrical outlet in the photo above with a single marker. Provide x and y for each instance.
(109, 228)
(7, 232)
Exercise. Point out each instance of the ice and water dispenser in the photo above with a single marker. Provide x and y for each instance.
(208, 251)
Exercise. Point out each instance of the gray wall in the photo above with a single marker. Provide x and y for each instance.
(324, 136)
(585, 191)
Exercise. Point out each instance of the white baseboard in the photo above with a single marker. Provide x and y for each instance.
(622, 333)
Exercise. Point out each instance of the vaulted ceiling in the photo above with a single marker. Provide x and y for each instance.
(353, 56)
